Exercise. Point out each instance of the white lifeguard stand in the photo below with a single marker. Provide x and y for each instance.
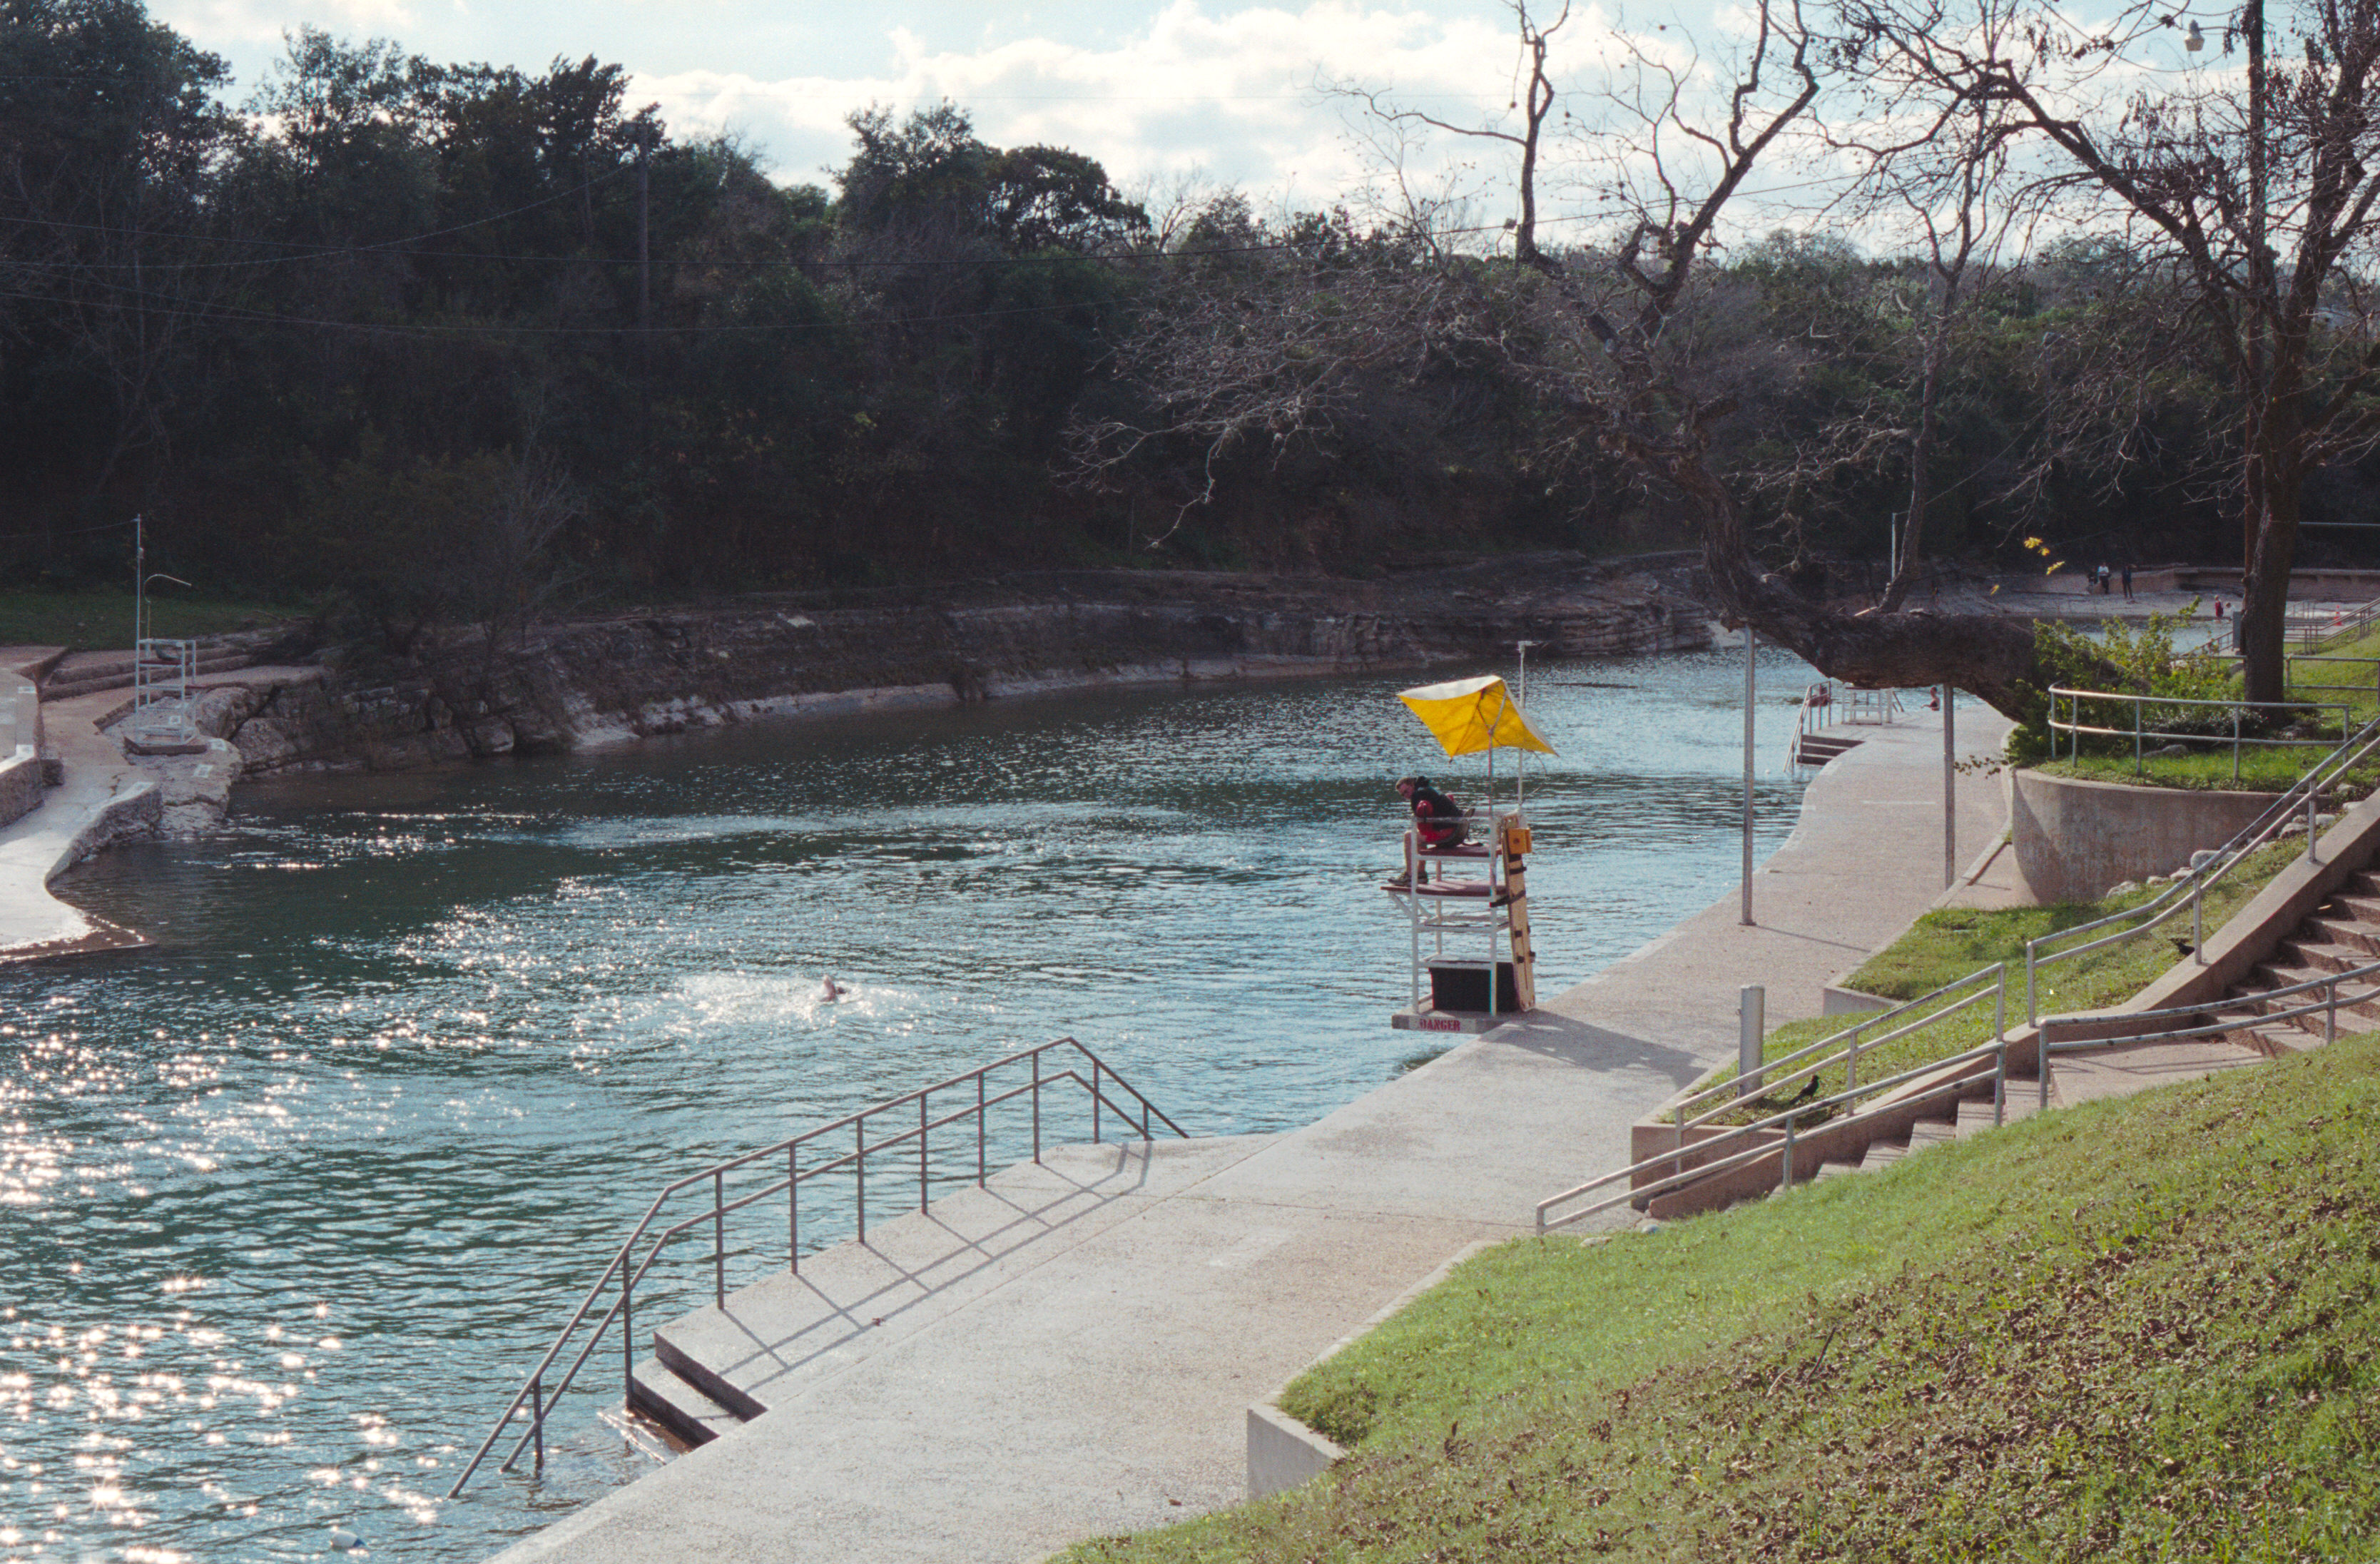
(1479, 900)
(164, 719)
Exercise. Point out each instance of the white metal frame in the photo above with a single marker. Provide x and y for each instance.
(162, 672)
(1482, 909)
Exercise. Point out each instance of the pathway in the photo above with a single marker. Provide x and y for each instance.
(103, 796)
(1071, 1351)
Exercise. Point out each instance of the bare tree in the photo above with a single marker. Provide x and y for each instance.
(2255, 187)
(1630, 340)
(1256, 337)
(1944, 182)
(1679, 152)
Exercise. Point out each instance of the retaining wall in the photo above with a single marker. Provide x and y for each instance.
(21, 775)
(2075, 839)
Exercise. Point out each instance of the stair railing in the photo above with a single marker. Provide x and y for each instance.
(1760, 1133)
(1816, 712)
(2302, 798)
(2326, 1007)
(1107, 1093)
(1846, 1045)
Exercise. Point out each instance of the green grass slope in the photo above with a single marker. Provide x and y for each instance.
(2141, 1329)
(1950, 943)
(103, 621)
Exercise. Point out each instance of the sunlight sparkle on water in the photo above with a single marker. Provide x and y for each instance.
(295, 1196)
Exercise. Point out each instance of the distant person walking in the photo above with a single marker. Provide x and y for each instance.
(2128, 583)
(2103, 578)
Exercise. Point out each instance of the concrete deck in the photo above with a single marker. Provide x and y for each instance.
(105, 796)
(1071, 1351)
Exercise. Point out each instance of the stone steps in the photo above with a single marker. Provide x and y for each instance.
(2340, 936)
(689, 1415)
(89, 672)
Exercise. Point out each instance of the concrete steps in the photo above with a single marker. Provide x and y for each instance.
(1816, 750)
(1971, 1115)
(689, 1415)
(2340, 936)
(86, 673)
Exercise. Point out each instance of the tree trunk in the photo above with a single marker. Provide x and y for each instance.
(1988, 655)
(2272, 522)
(1921, 453)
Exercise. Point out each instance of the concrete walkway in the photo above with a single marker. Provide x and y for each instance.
(103, 796)
(1071, 1351)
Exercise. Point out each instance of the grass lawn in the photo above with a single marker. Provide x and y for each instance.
(1948, 944)
(103, 621)
(2262, 769)
(2131, 1331)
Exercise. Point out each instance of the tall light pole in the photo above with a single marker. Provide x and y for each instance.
(1748, 645)
(1950, 786)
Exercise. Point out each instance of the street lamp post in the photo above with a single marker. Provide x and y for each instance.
(1749, 642)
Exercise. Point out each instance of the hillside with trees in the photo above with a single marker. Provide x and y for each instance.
(426, 341)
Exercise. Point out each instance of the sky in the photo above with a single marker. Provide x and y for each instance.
(1159, 90)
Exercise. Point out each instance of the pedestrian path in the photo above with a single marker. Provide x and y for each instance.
(103, 796)
(1070, 1352)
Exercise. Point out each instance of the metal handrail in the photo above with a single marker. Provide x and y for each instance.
(1788, 1117)
(2305, 794)
(539, 1397)
(2189, 890)
(2328, 1005)
(2139, 733)
(1850, 1039)
(2310, 631)
(1818, 696)
(1997, 1049)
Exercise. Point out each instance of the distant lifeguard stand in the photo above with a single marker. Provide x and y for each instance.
(164, 721)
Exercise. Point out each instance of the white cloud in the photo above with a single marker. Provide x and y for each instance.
(225, 24)
(1234, 93)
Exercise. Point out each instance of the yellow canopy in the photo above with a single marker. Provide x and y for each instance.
(1469, 715)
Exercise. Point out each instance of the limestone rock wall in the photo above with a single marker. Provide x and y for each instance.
(613, 679)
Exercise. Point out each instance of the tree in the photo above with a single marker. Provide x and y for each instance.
(110, 144)
(1670, 141)
(2254, 188)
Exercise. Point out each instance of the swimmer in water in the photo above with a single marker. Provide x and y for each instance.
(830, 992)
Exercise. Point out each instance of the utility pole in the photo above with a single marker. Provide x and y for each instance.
(1950, 786)
(644, 235)
(1748, 646)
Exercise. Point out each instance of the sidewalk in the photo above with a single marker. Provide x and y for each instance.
(105, 796)
(1071, 1351)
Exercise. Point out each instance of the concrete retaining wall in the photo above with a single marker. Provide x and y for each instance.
(1283, 1452)
(21, 743)
(2075, 839)
(20, 781)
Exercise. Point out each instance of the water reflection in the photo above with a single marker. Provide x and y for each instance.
(292, 1199)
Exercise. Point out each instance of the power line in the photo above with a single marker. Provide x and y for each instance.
(72, 532)
(383, 245)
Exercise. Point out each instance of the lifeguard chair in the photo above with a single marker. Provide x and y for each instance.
(1473, 967)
